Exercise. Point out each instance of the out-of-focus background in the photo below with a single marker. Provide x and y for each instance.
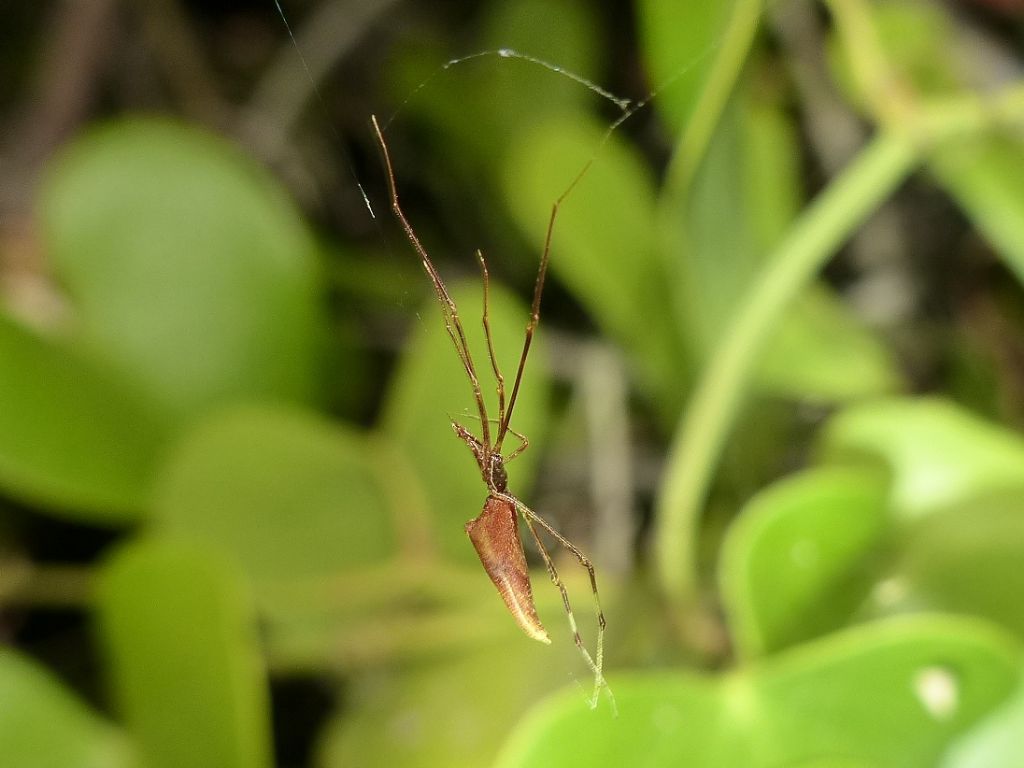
(777, 393)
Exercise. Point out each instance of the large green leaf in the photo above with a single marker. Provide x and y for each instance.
(431, 388)
(893, 693)
(180, 640)
(43, 726)
(73, 435)
(939, 453)
(190, 270)
(289, 494)
(794, 564)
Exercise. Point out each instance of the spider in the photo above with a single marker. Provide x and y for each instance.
(494, 533)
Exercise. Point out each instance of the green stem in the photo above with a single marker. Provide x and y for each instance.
(824, 226)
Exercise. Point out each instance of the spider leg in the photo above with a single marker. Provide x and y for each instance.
(450, 311)
(498, 378)
(594, 663)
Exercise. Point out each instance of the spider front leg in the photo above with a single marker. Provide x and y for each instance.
(479, 449)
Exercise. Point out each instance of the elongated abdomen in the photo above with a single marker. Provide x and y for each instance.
(495, 536)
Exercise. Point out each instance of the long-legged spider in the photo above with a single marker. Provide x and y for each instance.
(494, 533)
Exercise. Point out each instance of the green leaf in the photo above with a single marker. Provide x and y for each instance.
(744, 196)
(180, 641)
(681, 40)
(43, 726)
(73, 436)
(793, 565)
(478, 107)
(287, 493)
(570, 35)
(996, 742)
(603, 246)
(986, 177)
(939, 453)
(190, 269)
(822, 352)
(918, 42)
(431, 388)
(893, 693)
(454, 712)
(919, 38)
(964, 560)
(703, 47)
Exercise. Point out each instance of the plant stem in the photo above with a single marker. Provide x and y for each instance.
(815, 236)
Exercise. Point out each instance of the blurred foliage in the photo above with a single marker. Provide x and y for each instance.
(185, 671)
(818, 700)
(226, 458)
(237, 280)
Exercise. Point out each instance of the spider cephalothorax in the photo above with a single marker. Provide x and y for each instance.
(498, 480)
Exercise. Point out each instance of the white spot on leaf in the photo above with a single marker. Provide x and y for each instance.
(938, 691)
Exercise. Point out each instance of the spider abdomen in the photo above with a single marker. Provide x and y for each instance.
(495, 536)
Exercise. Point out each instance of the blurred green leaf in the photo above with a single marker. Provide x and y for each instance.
(569, 35)
(697, 51)
(986, 177)
(793, 565)
(433, 715)
(681, 40)
(744, 196)
(190, 269)
(939, 453)
(917, 40)
(822, 352)
(431, 387)
(967, 559)
(410, 612)
(603, 245)
(768, 160)
(73, 435)
(289, 494)
(715, 245)
(996, 742)
(180, 641)
(893, 693)
(476, 673)
(479, 106)
(43, 726)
